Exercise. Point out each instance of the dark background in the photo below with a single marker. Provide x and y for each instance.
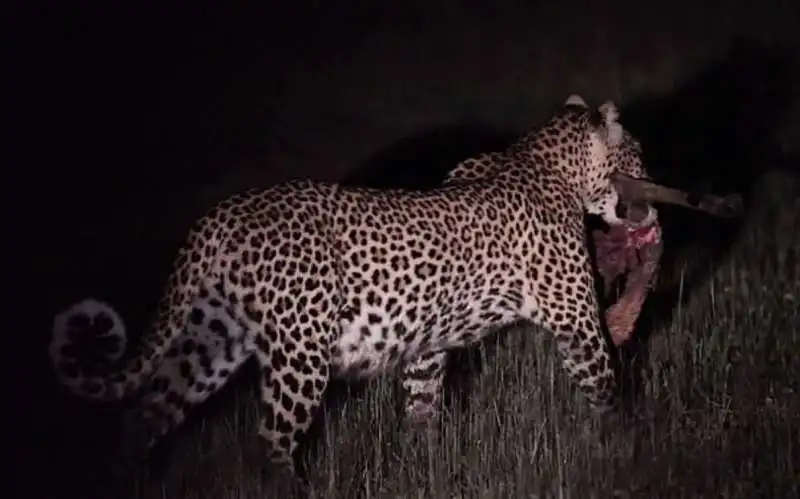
(129, 120)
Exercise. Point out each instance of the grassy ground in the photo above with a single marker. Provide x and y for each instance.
(717, 414)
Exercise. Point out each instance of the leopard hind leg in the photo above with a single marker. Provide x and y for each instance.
(213, 347)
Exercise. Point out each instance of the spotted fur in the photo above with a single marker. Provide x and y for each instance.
(316, 280)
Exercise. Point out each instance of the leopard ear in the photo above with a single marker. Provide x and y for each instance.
(575, 100)
(609, 119)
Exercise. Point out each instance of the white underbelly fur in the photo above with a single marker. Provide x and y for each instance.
(361, 343)
(364, 350)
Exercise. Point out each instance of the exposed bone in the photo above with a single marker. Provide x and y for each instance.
(631, 189)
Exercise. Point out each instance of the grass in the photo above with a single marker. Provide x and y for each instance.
(717, 415)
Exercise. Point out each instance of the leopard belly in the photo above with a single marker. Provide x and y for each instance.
(374, 342)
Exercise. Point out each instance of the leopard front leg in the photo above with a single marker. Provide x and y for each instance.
(586, 356)
(423, 386)
(567, 305)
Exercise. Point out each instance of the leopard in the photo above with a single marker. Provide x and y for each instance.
(315, 281)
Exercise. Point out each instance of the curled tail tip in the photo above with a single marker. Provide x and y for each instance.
(89, 331)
